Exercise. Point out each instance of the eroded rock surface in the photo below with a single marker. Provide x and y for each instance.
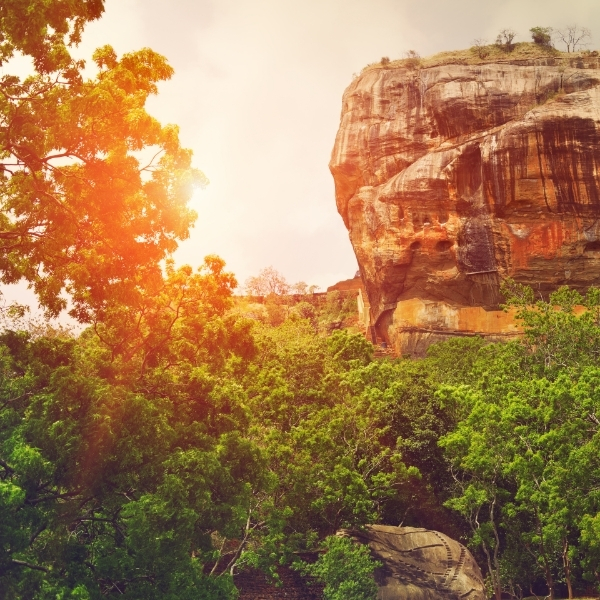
(452, 177)
(421, 564)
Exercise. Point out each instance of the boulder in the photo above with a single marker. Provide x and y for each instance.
(420, 564)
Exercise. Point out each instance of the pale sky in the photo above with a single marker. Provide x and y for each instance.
(257, 94)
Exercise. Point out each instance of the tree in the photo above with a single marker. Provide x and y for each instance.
(300, 288)
(542, 35)
(79, 213)
(481, 48)
(327, 448)
(574, 36)
(268, 281)
(559, 334)
(181, 321)
(45, 31)
(505, 39)
(122, 485)
(525, 458)
(525, 472)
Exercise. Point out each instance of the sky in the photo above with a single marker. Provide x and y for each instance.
(257, 95)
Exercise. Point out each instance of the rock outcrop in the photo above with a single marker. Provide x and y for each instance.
(421, 564)
(452, 177)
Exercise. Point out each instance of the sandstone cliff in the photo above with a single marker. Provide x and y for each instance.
(450, 177)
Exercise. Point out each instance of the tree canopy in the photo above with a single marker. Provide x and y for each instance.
(81, 212)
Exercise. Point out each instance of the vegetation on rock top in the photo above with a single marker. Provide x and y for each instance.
(521, 53)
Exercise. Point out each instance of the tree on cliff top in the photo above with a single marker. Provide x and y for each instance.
(574, 36)
(542, 35)
(505, 39)
(268, 281)
(79, 213)
(481, 48)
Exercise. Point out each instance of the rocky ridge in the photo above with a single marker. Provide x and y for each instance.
(453, 176)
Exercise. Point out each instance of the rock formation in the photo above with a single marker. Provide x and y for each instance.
(421, 564)
(454, 176)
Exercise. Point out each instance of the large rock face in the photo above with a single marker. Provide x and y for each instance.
(421, 564)
(452, 177)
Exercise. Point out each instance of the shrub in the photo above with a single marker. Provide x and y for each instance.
(346, 569)
(276, 311)
(413, 59)
(304, 310)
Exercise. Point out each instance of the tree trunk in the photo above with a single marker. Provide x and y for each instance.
(498, 588)
(547, 567)
(498, 585)
(549, 579)
(493, 574)
(567, 567)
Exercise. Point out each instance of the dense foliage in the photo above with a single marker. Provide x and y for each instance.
(524, 456)
(157, 460)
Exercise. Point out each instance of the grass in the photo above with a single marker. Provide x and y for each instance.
(522, 51)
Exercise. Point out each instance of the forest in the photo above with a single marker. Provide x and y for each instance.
(176, 440)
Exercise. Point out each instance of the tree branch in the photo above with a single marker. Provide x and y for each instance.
(22, 563)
